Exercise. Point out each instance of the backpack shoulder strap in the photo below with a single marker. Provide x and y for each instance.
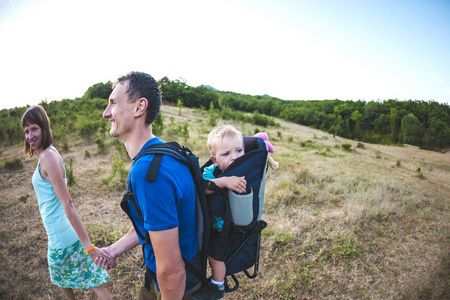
(159, 150)
(171, 148)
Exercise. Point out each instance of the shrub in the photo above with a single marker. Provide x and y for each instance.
(360, 145)
(11, 165)
(103, 236)
(378, 154)
(102, 149)
(346, 146)
(213, 115)
(180, 106)
(185, 132)
(119, 175)
(120, 147)
(158, 125)
(213, 118)
(346, 247)
(260, 119)
(87, 154)
(69, 173)
(65, 143)
(227, 113)
(61, 134)
(86, 128)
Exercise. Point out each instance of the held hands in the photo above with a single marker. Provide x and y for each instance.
(103, 258)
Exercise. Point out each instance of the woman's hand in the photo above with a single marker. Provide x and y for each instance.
(103, 258)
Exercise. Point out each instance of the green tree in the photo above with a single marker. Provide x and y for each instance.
(395, 125)
(213, 115)
(357, 118)
(412, 130)
(382, 124)
(371, 113)
(180, 106)
(438, 134)
(99, 90)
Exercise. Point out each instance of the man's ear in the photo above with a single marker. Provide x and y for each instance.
(141, 107)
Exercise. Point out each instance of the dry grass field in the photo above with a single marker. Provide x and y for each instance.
(371, 222)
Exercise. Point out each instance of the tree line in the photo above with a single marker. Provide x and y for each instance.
(422, 123)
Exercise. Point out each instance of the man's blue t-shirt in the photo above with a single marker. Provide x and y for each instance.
(167, 203)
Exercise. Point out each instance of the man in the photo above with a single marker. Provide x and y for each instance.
(167, 205)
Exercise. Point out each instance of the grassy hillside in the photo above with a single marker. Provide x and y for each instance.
(370, 222)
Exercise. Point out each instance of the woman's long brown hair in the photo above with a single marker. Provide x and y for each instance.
(37, 115)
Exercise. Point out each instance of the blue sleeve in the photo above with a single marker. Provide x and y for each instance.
(208, 172)
(157, 200)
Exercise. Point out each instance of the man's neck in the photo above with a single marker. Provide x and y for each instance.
(137, 140)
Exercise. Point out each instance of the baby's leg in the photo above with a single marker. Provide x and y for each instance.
(273, 164)
(218, 269)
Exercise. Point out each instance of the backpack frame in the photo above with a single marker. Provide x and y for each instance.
(241, 243)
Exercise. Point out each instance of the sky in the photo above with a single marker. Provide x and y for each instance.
(289, 49)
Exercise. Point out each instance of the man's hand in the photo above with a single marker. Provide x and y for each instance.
(125, 243)
(105, 260)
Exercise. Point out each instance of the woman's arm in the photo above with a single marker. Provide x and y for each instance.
(52, 170)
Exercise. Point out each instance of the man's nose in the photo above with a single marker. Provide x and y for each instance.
(106, 113)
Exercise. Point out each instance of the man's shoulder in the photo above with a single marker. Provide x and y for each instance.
(168, 164)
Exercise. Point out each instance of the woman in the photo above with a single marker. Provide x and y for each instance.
(70, 252)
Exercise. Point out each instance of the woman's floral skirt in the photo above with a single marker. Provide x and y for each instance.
(71, 267)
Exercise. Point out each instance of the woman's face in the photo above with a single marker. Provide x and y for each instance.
(33, 136)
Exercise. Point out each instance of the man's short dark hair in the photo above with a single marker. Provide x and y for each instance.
(143, 85)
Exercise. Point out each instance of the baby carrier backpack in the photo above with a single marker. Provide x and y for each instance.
(240, 236)
(184, 155)
(241, 232)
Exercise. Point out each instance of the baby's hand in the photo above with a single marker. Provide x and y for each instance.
(236, 184)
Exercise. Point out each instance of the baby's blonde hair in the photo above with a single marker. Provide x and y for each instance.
(218, 133)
